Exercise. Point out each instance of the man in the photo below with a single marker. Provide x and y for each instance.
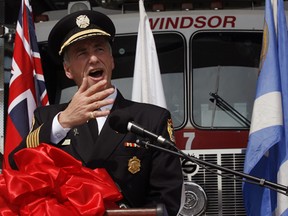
(146, 177)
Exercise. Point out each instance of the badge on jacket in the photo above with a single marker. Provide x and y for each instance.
(134, 165)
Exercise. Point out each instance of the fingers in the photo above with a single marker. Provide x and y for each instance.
(97, 113)
(84, 85)
(96, 92)
(85, 104)
(97, 98)
(97, 104)
(97, 87)
(92, 115)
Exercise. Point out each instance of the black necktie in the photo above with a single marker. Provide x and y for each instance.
(93, 126)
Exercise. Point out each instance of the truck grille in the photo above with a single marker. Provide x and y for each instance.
(224, 194)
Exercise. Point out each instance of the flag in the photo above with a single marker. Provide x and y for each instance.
(27, 85)
(266, 155)
(147, 83)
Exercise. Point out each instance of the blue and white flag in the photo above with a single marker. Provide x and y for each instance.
(267, 149)
(147, 82)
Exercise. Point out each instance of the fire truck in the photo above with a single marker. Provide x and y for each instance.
(209, 61)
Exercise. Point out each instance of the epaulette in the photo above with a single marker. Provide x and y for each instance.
(32, 140)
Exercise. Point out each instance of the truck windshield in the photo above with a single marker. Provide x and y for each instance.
(223, 75)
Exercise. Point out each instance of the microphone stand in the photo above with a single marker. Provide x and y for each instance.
(258, 181)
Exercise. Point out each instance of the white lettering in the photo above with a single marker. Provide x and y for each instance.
(198, 22)
(190, 136)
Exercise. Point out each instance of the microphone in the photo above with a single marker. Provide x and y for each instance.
(123, 122)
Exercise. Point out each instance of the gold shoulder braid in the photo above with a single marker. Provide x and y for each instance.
(170, 130)
(33, 122)
(32, 140)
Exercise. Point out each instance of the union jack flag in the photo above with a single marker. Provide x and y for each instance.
(27, 85)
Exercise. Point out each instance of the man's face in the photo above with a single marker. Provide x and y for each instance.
(90, 57)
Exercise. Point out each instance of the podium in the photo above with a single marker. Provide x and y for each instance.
(157, 211)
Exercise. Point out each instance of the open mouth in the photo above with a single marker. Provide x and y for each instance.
(96, 74)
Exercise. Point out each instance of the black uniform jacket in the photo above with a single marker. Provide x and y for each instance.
(159, 179)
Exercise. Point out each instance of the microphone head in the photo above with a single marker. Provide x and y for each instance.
(119, 120)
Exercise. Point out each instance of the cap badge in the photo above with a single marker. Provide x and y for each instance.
(82, 21)
(134, 165)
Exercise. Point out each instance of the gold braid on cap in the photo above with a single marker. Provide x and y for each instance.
(82, 34)
(32, 140)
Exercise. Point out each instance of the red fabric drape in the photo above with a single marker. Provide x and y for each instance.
(51, 182)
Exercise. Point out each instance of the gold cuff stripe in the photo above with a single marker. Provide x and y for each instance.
(32, 140)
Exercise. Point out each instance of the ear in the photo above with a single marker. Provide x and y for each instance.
(67, 70)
